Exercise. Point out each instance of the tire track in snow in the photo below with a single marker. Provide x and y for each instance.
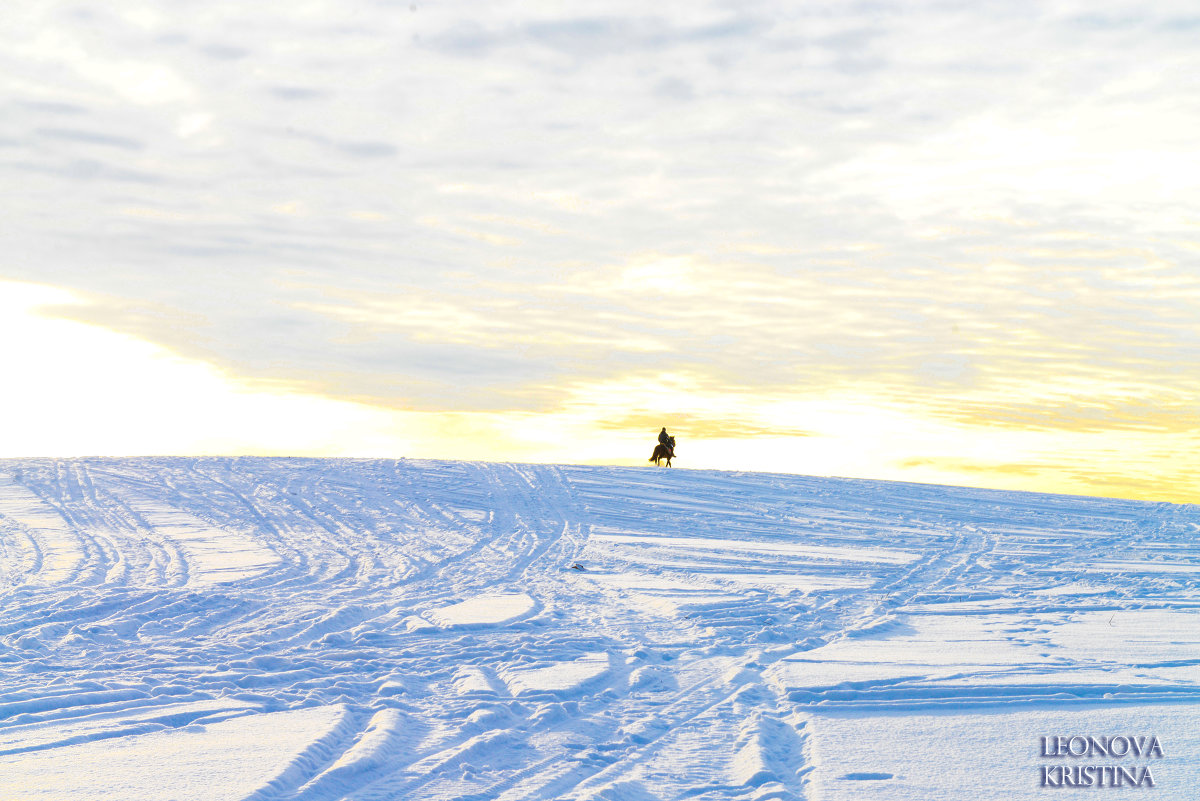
(451, 709)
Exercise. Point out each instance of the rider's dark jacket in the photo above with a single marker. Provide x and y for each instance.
(663, 438)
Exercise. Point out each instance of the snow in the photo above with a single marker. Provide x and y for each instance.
(232, 759)
(560, 678)
(484, 610)
(951, 757)
(327, 629)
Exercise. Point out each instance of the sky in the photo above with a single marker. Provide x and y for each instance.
(939, 242)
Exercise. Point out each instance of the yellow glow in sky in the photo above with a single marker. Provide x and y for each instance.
(74, 389)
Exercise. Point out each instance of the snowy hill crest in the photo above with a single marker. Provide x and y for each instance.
(322, 629)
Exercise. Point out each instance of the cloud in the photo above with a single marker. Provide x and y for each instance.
(89, 138)
(297, 92)
(591, 37)
(981, 214)
(696, 426)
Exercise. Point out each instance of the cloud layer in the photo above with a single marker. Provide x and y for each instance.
(981, 215)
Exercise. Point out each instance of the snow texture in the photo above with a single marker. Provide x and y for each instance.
(327, 629)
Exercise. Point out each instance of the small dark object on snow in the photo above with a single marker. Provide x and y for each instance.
(577, 566)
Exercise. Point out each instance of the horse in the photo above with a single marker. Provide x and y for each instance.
(663, 452)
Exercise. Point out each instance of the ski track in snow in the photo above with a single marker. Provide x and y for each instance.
(364, 629)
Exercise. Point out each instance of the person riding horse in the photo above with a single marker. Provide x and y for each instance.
(665, 449)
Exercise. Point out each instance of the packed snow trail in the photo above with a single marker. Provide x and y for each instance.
(327, 629)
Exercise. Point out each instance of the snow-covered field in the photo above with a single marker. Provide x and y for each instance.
(199, 629)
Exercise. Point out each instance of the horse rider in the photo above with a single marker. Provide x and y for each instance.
(666, 440)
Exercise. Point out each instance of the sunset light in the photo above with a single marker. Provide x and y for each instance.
(822, 241)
